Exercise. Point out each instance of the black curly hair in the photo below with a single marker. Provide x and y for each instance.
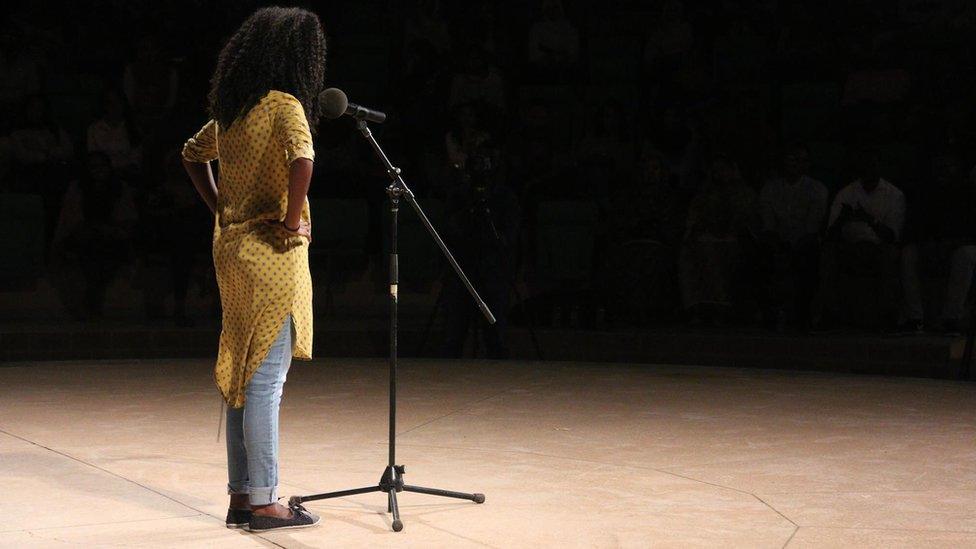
(276, 48)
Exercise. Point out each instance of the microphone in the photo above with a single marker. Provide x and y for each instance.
(335, 104)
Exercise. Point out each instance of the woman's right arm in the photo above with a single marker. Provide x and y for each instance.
(202, 177)
(198, 151)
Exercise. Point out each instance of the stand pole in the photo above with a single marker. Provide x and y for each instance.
(391, 481)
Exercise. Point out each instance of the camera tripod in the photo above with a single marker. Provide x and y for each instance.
(391, 480)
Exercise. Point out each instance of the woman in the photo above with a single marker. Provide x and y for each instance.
(263, 106)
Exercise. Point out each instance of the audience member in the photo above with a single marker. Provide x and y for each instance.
(93, 237)
(740, 54)
(174, 234)
(607, 138)
(480, 27)
(151, 84)
(19, 73)
(427, 25)
(478, 81)
(802, 51)
(670, 40)
(537, 123)
(793, 208)
(722, 219)
(941, 231)
(41, 151)
(114, 134)
(40, 146)
(553, 42)
(646, 224)
(863, 231)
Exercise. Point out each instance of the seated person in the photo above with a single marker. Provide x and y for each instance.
(41, 152)
(114, 134)
(645, 225)
(793, 207)
(721, 218)
(863, 231)
(92, 239)
(941, 230)
(174, 235)
(553, 41)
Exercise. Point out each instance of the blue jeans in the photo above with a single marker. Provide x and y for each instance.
(252, 431)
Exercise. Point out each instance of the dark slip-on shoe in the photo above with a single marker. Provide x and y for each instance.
(238, 518)
(301, 518)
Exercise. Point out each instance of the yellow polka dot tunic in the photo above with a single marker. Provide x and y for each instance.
(262, 271)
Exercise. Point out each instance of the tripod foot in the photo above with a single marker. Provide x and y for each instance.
(397, 525)
(478, 498)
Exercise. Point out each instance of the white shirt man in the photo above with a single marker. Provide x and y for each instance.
(884, 205)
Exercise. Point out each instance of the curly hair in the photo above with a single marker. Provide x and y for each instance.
(276, 48)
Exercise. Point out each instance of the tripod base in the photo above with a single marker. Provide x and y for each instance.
(391, 482)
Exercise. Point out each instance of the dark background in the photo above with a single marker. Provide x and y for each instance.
(597, 157)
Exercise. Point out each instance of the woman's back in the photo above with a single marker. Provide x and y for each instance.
(254, 153)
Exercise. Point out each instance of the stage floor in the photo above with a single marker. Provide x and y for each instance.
(568, 455)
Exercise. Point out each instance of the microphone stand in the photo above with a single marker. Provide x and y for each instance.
(391, 481)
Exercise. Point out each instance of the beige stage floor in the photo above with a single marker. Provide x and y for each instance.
(569, 455)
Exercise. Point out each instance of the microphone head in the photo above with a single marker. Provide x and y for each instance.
(334, 103)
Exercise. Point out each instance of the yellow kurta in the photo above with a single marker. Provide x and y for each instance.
(262, 271)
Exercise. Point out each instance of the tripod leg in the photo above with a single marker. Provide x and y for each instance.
(339, 494)
(477, 498)
(392, 505)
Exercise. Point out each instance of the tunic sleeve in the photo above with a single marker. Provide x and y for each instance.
(202, 147)
(290, 130)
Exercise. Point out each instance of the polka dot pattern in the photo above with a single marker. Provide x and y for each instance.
(262, 272)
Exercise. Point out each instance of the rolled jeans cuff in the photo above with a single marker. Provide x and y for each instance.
(238, 488)
(263, 496)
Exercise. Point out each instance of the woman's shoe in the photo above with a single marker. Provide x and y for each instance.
(238, 518)
(301, 518)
